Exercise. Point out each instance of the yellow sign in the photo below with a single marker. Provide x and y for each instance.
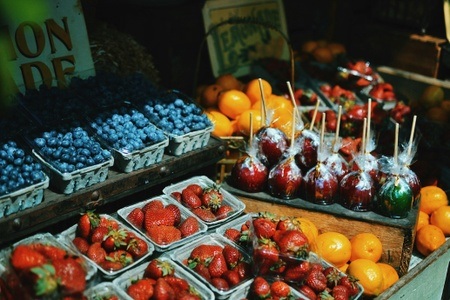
(241, 32)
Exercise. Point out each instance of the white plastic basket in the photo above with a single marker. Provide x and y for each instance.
(181, 144)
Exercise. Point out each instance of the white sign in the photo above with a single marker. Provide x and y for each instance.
(49, 47)
(235, 46)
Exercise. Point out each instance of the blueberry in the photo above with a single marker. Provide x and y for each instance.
(79, 165)
(18, 161)
(3, 179)
(20, 153)
(70, 168)
(90, 162)
(37, 176)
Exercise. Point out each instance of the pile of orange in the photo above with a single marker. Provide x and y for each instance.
(436, 106)
(235, 108)
(359, 257)
(433, 221)
(322, 51)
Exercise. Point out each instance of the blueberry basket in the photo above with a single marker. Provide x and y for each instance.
(71, 157)
(134, 141)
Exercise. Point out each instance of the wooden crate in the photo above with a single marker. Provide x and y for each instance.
(396, 235)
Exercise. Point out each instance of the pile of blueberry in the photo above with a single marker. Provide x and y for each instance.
(17, 168)
(126, 129)
(175, 116)
(70, 149)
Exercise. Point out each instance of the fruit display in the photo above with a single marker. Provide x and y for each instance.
(166, 223)
(41, 267)
(161, 278)
(107, 243)
(203, 197)
(219, 263)
(238, 231)
(104, 291)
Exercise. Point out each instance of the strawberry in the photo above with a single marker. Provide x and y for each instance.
(292, 243)
(288, 223)
(212, 198)
(190, 199)
(136, 217)
(108, 223)
(204, 214)
(260, 288)
(179, 285)
(350, 282)
(189, 226)
(164, 234)
(266, 250)
(86, 223)
(220, 284)
(159, 216)
(316, 280)
(203, 254)
(340, 292)
(223, 212)
(232, 277)
(117, 260)
(232, 255)
(158, 268)
(49, 251)
(162, 290)
(154, 204)
(196, 188)
(244, 269)
(5, 293)
(333, 276)
(96, 253)
(264, 228)
(307, 291)
(137, 247)
(71, 275)
(201, 270)
(218, 265)
(232, 234)
(43, 279)
(141, 289)
(280, 289)
(114, 240)
(23, 257)
(81, 244)
(177, 196)
(297, 272)
(176, 213)
(99, 234)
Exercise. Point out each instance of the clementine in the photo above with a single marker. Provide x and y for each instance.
(233, 102)
(422, 219)
(222, 125)
(253, 90)
(431, 198)
(309, 229)
(334, 247)
(437, 114)
(431, 96)
(309, 46)
(210, 95)
(441, 218)
(323, 54)
(243, 121)
(428, 239)
(229, 82)
(390, 275)
(369, 275)
(366, 245)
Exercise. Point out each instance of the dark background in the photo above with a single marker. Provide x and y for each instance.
(172, 31)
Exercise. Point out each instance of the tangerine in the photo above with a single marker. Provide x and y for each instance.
(431, 198)
(441, 218)
(336, 48)
(253, 90)
(233, 102)
(344, 268)
(323, 54)
(366, 245)
(210, 95)
(283, 122)
(390, 275)
(309, 229)
(309, 46)
(431, 96)
(229, 82)
(437, 114)
(333, 247)
(243, 121)
(222, 125)
(422, 219)
(428, 239)
(445, 105)
(369, 275)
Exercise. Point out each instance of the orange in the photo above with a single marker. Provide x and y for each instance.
(390, 275)
(309, 229)
(369, 275)
(336, 48)
(431, 198)
(243, 121)
(441, 218)
(445, 105)
(222, 125)
(233, 102)
(309, 46)
(344, 268)
(422, 219)
(253, 91)
(428, 239)
(366, 245)
(284, 123)
(229, 82)
(437, 114)
(210, 95)
(334, 247)
(323, 54)
(431, 96)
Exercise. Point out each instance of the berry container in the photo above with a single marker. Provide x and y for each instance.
(47, 239)
(185, 213)
(125, 280)
(181, 144)
(69, 234)
(237, 224)
(228, 199)
(126, 159)
(180, 255)
(104, 290)
(244, 292)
